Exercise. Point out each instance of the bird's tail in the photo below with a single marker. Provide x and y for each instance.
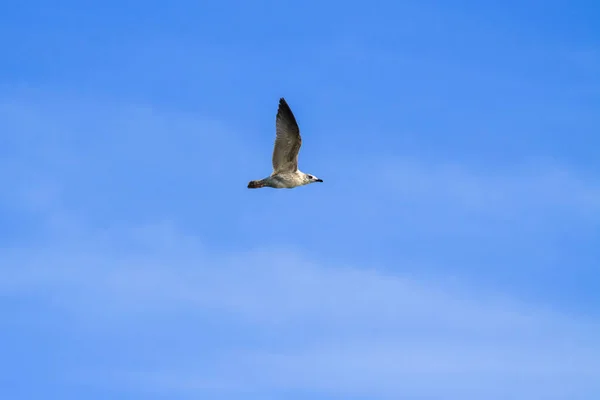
(256, 184)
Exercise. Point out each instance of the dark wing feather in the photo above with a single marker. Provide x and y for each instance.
(287, 140)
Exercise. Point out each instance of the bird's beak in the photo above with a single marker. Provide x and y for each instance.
(319, 180)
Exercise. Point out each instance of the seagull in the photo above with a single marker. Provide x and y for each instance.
(286, 174)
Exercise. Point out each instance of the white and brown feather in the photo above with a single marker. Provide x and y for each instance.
(287, 140)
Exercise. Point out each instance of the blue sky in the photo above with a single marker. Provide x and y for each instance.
(451, 252)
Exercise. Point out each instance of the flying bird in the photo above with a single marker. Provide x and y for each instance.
(286, 174)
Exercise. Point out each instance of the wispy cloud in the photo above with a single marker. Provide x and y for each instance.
(345, 330)
(536, 187)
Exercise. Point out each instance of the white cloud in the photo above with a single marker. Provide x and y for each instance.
(327, 329)
(535, 187)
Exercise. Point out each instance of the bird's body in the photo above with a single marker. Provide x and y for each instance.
(286, 174)
(284, 180)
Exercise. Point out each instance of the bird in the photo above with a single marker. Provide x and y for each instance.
(286, 174)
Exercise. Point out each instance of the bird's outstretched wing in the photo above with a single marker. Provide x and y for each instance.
(287, 140)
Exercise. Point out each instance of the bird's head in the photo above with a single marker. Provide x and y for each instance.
(312, 178)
